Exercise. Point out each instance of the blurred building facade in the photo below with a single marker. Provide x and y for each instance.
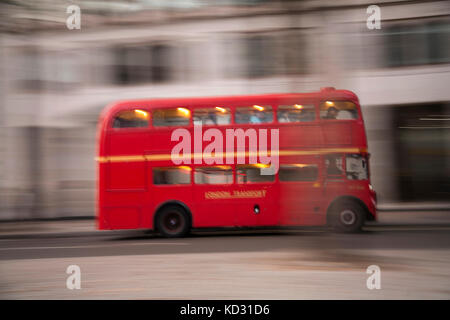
(55, 81)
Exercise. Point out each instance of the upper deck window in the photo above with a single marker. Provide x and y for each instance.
(212, 116)
(136, 118)
(338, 110)
(254, 114)
(296, 113)
(171, 117)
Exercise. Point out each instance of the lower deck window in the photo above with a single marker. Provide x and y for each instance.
(333, 164)
(298, 172)
(172, 175)
(356, 167)
(252, 174)
(213, 175)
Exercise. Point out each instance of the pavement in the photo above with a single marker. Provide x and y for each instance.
(283, 264)
(30, 228)
(411, 248)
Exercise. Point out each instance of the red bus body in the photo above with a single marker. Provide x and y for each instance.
(128, 198)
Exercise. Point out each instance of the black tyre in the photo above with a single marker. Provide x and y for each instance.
(173, 222)
(347, 216)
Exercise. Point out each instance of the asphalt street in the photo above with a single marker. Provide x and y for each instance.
(303, 263)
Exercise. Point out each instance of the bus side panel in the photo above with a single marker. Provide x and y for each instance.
(295, 137)
(126, 176)
(358, 189)
(123, 217)
(162, 194)
(124, 180)
(263, 198)
(131, 202)
(102, 223)
(213, 206)
(302, 199)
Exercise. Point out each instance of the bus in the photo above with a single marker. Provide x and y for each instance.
(310, 166)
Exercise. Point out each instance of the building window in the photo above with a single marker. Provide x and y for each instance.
(260, 56)
(439, 42)
(422, 139)
(132, 65)
(294, 47)
(160, 63)
(29, 69)
(409, 45)
(142, 64)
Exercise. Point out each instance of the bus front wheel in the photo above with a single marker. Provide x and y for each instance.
(172, 222)
(347, 216)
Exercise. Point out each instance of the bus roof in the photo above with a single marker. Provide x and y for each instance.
(323, 94)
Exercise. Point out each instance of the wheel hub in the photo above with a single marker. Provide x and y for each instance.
(172, 222)
(348, 217)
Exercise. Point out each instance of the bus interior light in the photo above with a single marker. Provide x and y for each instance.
(185, 111)
(221, 109)
(300, 165)
(261, 165)
(142, 113)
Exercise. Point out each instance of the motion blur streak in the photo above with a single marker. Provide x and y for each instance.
(54, 81)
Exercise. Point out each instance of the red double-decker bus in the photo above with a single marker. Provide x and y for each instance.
(316, 161)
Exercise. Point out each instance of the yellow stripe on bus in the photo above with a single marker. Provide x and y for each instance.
(168, 156)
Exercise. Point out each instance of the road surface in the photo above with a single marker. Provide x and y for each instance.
(239, 264)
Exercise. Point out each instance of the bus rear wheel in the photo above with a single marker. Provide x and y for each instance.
(347, 216)
(173, 222)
